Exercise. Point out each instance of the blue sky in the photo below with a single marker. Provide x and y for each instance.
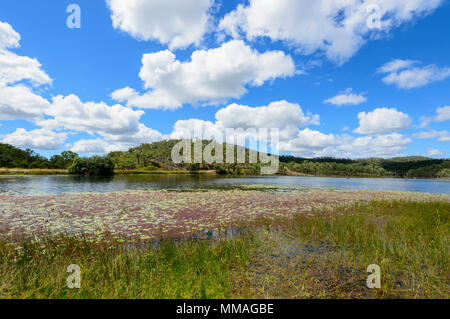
(317, 54)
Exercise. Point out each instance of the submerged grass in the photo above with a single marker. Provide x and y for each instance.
(327, 255)
(320, 255)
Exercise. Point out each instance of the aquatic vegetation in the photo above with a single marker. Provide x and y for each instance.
(324, 254)
(145, 215)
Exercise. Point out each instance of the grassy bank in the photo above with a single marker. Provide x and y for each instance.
(163, 172)
(32, 171)
(45, 171)
(319, 255)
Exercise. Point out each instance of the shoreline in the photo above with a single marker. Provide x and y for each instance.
(61, 172)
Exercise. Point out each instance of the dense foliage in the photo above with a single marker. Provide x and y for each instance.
(156, 157)
(93, 166)
(414, 166)
(337, 169)
(13, 157)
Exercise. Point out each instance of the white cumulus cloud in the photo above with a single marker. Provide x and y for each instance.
(442, 136)
(432, 152)
(389, 145)
(382, 121)
(70, 113)
(442, 115)
(406, 74)
(9, 38)
(14, 68)
(19, 102)
(41, 139)
(177, 23)
(337, 28)
(347, 98)
(285, 116)
(211, 76)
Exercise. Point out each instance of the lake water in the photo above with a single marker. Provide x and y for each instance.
(57, 185)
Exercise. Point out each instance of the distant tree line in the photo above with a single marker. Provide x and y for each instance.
(409, 167)
(13, 157)
(157, 157)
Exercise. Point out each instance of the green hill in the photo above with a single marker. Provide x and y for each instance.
(156, 157)
(13, 157)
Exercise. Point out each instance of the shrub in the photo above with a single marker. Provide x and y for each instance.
(35, 164)
(94, 166)
(445, 173)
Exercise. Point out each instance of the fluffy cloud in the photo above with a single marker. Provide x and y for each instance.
(382, 121)
(405, 74)
(71, 113)
(309, 143)
(442, 115)
(337, 28)
(288, 117)
(347, 98)
(143, 135)
(293, 140)
(41, 139)
(14, 68)
(117, 142)
(212, 76)
(118, 125)
(19, 102)
(374, 146)
(435, 153)
(178, 23)
(285, 116)
(8, 37)
(280, 114)
(442, 136)
(95, 146)
(313, 144)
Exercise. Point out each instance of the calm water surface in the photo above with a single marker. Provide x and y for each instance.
(57, 185)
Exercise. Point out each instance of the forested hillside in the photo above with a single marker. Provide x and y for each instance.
(157, 157)
(414, 166)
(13, 157)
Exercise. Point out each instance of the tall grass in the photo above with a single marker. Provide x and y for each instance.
(170, 270)
(408, 240)
(322, 255)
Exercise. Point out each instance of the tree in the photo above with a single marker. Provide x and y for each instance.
(94, 166)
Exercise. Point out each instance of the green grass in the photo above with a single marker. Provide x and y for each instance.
(322, 255)
(327, 255)
(184, 270)
(159, 172)
(34, 171)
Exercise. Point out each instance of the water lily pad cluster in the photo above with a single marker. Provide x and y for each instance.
(146, 215)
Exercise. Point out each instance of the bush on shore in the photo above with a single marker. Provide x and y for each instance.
(94, 166)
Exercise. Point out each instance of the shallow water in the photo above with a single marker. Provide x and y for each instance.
(57, 185)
